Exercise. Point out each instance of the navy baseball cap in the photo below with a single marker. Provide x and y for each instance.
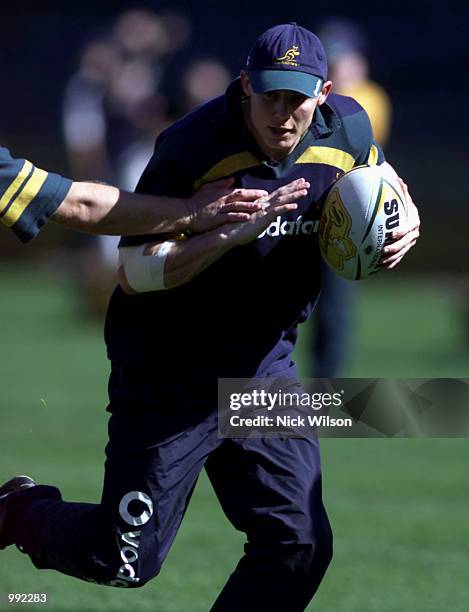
(287, 57)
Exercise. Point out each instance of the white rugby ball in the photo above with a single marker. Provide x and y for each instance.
(361, 211)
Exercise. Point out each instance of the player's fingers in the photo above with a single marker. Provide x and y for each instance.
(288, 197)
(279, 209)
(396, 247)
(238, 207)
(295, 185)
(266, 216)
(247, 195)
(397, 235)
(233, 217)
(394, 264)
(403, 248)
(400, 239)
(387, 260)
(396, 239)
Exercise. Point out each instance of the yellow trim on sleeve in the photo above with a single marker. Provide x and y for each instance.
(329, 156)
(15, 185)
(227, 166)
(373, 156)
(26, 195)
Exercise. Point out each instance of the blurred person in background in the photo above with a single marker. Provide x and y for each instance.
(179, 29)
(346, 49)
(202, 80)
(112, 111)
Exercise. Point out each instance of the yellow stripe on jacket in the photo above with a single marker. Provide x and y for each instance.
(25, 196)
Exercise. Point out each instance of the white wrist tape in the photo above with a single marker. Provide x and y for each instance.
(145, 272)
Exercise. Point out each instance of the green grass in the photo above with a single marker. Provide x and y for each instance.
(402, 329)
(398, 507)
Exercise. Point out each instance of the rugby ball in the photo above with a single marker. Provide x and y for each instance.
(362, 209)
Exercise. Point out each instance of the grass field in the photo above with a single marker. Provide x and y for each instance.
(398, 507)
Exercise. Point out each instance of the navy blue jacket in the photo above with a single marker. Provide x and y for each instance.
(239, 317)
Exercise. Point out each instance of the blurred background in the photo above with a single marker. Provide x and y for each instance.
(87, 88)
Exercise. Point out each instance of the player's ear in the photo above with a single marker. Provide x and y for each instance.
(326, 88)
(245, 83)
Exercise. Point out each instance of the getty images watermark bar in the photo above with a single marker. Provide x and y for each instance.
(343, 407)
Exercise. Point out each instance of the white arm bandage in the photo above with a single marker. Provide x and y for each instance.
(144, 272)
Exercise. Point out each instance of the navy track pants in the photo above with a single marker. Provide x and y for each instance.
(269, 488)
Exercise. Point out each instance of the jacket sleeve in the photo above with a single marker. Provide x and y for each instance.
(28, 195)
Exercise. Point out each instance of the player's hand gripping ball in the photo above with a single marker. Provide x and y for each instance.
(360, 213)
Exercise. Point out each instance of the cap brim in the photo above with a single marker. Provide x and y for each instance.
(263, 81)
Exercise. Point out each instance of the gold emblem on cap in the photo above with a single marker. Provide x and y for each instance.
(289, 57)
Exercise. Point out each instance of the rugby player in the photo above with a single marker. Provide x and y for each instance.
(224, 303)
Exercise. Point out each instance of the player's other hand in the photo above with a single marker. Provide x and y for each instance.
(218, 203)
(402, 242)
(276, 203)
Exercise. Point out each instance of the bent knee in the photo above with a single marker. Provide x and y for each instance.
(321, 550)
(133, 577)
(131, 563)
(311, 558)
(136, 570)
(125, 576)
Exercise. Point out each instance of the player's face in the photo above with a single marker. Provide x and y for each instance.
(279, 119)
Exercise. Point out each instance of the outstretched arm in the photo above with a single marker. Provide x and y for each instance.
(104, 209)
(30, 196)
(165, 265)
